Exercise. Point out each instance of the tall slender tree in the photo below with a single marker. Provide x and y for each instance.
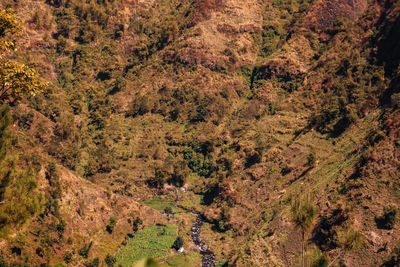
(303, 213)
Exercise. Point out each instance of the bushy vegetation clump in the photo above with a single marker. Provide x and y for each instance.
(388, 218)
(110, 226)
(239, 104)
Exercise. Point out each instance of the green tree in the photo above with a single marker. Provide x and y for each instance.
(8, 25)
(159, 178)
(16, 79)
(303, 214)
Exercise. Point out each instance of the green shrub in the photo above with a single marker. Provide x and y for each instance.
(252, 158)
(5, 120)
(94, 263)
(136, 223)
(388, 219)
(270, 38)
(3, 263)
(222, 224)
(264, 216)
(303, 212)
(317, 259)
(54, 180)
(350, 238)
(159, 179)
(39, 252)
(291, 85)
(67, 257)
(178, 243)
(61, 227)
(395, 100)
(51, 207)
(110, 260)
(84, 251)
(168, 210)
(311, 159)
(23, 201)
(26, 120)
(111, 225)
(140, 106)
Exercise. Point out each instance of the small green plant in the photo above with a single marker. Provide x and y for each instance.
(349, 239)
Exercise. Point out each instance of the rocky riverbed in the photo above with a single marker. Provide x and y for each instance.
(208, 256)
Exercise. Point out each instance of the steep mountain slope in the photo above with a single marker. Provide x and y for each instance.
(233, 108)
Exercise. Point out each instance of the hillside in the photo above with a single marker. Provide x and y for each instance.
(265, 126)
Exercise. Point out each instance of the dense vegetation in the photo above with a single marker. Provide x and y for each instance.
(271, 115)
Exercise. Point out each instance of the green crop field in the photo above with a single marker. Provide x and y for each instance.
(158, 203)
(154, 241)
